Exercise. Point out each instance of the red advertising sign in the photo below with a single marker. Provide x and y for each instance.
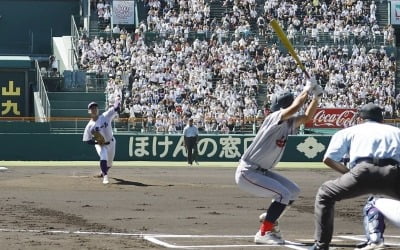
(333, 118)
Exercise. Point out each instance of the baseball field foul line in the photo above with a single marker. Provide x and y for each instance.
(362, 238)
(156, 238)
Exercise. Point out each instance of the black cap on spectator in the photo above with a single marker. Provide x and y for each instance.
(372, 112)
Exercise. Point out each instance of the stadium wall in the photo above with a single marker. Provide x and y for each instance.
(17, 79)
(28, 25)
(40, 146)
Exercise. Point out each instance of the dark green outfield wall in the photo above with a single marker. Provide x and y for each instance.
(27, 26)
(147, 147)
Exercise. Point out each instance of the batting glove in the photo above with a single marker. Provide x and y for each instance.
(313, 80)
(317, 91)
(310, 84)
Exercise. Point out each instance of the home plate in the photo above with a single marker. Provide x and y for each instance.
(3, 168)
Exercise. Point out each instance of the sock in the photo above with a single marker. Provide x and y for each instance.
(274, 211)
(265, 227)
(103, 166)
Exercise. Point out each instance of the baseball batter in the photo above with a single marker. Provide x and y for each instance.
(98, 132)
(373, 168)
(254, 173)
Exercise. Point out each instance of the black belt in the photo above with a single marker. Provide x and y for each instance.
(108, 143)
(377, 161)
(263, 170)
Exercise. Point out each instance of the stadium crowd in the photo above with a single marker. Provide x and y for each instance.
(218, 78)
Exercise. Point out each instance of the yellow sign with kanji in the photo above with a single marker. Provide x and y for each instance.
(12, 93)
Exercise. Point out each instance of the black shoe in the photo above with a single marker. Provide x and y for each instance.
(362, 244)
(318, 246)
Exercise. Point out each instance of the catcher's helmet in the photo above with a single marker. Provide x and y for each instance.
(281, 100)
(372, 112)
(92, 104)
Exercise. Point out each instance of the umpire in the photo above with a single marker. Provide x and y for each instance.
(374, 151)
(191, 136)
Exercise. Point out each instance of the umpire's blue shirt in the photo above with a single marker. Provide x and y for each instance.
(369, 139)
(190, 131)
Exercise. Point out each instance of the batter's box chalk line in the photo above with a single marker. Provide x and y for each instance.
(161, 239)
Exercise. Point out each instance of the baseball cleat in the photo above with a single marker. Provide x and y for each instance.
(319, 247)
(362, 244)
(276, 230)
(373, 246)
(269, 238)
(262, 217)
(105, 179)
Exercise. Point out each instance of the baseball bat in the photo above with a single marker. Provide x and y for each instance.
(285, 41)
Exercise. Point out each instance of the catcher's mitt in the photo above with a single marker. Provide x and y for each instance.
(98, 137)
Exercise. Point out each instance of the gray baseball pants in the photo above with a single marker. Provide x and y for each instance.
(364, 178)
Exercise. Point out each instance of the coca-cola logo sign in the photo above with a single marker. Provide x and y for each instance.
(333, 118)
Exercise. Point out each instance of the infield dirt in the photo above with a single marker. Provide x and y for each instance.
(42, 207)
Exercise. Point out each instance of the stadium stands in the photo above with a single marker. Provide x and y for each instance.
(210, 60)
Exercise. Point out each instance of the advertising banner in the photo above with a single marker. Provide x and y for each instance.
(13, 93)
(123, 12)
(395, 12)
(148, 147)
(333, 118)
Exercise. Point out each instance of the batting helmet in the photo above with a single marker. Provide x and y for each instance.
(372, 112)
(281, 100)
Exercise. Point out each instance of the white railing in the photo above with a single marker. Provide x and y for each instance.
(42, 93)
(75, 36)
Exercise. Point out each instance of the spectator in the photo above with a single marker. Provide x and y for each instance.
(116, 29)
(53, 62)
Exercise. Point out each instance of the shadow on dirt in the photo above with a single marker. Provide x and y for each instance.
(131, 183)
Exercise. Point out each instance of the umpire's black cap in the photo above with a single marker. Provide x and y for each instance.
(92, 104)
(371, 111)
(281, 100)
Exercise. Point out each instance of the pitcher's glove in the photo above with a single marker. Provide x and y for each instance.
(98, 137)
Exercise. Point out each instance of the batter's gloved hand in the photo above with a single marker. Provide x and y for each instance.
(310, 84)
(317, 92)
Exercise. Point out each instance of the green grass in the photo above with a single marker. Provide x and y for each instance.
(315, 165)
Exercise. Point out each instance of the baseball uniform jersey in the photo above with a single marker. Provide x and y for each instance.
(103, 125)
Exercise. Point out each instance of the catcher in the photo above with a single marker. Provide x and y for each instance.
(99, 132)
